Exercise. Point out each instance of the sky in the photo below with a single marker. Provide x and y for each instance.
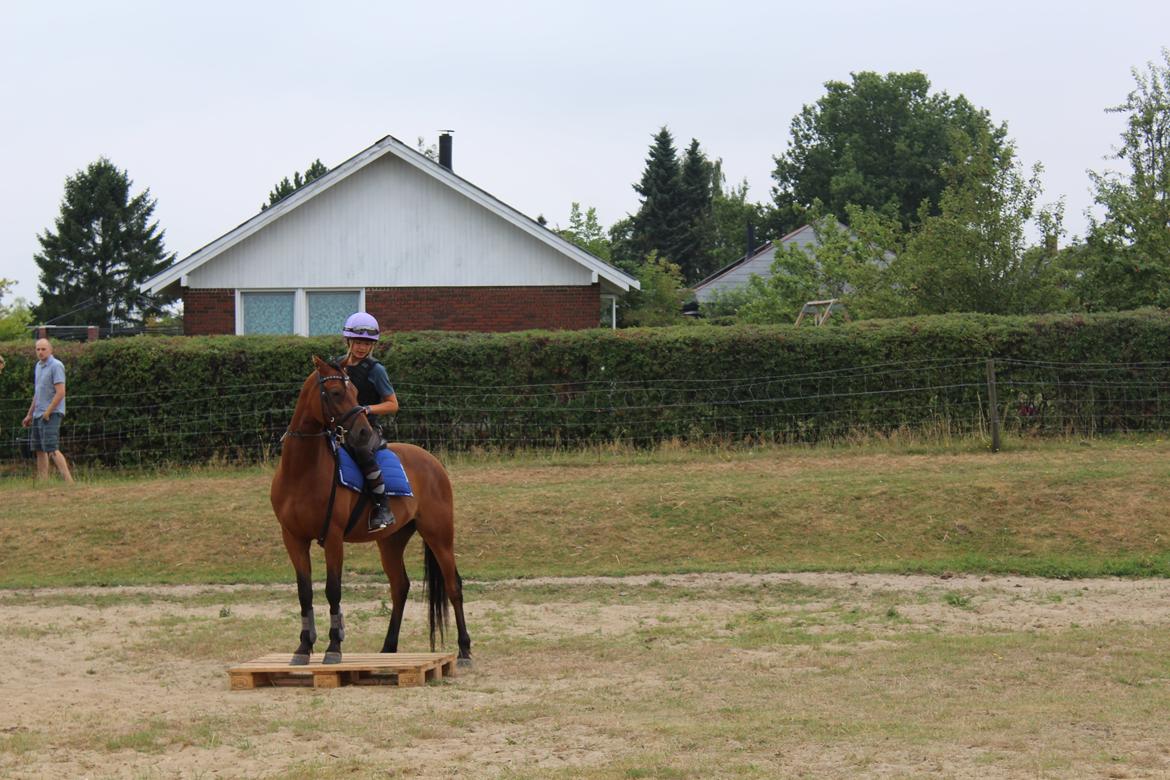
(210, 104)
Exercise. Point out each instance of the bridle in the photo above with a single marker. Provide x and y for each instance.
(337, 423)
(336, 427)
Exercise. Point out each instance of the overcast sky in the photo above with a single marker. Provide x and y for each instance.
(209, 104)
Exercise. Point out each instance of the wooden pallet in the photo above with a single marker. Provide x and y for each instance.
(402, 669)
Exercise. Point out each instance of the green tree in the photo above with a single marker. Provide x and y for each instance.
(731, 213)
(431, 151)
(15, 317)
(104, 245)
(695, 241)
(974, 255)
(879, 142)
(1127, 259)
(623, 248)
(586, 232)
(659, 224)
(285, 187)
(661, 297)
(851, 264)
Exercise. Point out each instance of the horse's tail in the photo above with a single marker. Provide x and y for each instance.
(436, 588)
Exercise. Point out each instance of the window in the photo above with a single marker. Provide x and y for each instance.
(301, 312)
(328, 310)
(267, 312)
(609, 311)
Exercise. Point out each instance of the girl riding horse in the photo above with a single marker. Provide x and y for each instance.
(309, 505)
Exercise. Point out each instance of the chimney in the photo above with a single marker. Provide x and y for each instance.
(1051, 244)
(445, 150)
(751, 239)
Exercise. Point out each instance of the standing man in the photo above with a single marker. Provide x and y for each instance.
(47, 410)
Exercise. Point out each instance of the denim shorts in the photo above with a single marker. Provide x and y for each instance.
(46, 435)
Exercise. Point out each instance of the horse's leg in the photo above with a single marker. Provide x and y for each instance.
(454, 585)
(440, 540)
(334, 558)
(298, 553)
(391, 551)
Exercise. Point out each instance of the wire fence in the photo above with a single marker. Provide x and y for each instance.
(243, 423)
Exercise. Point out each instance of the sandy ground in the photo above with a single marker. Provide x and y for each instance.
(72, 679)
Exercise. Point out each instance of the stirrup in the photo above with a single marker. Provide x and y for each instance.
(373, 525)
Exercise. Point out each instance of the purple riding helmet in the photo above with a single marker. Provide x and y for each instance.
(361, 325)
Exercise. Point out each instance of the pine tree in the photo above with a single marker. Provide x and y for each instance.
(284, 187)
(694, 244)
(658, 224)
(104, 246)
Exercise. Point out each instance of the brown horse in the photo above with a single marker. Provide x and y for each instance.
(309, 505)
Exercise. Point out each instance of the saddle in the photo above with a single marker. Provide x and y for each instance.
(393, 475)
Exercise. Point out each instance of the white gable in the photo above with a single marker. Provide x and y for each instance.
(389, 217)
(389, 225)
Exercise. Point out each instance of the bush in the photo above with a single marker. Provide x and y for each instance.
(147, 399)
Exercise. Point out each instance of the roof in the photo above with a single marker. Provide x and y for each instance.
(388, 145)
(758, 262)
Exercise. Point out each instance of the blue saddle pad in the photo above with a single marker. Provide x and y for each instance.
(393, 475)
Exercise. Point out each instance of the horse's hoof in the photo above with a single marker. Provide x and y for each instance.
(464, 663)
(299, 659)
(332, 658)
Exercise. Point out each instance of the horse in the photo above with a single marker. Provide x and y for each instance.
(310, 506)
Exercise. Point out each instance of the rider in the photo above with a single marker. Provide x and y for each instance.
(375, 393)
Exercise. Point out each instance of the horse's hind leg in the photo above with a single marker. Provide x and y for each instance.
(298, 553)
(392, 563)
(440, 543)
(454, 586)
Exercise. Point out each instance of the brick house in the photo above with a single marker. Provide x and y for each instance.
(399, 235)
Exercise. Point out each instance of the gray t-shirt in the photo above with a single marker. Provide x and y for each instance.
(45, 376)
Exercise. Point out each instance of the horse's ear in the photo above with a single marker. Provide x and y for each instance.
(318, 363)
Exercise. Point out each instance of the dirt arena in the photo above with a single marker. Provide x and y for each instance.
(587, 677)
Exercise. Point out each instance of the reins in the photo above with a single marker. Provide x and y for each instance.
(335, 428)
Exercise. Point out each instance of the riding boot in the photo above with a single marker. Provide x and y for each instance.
(381, 516)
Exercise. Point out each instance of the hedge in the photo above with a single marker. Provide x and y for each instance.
(189, 399)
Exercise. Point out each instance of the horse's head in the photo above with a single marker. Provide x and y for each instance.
(339, 408)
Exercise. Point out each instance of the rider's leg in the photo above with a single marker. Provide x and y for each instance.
(381, 517)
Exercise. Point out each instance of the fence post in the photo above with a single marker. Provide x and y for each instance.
(994, 403)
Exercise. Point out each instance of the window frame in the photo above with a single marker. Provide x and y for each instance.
(300, 304)
(609, 302)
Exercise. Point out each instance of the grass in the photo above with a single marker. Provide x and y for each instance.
(1055, 509)
(651, 678)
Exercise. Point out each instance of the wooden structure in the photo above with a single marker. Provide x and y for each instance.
(822, 310)
(401, 669)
